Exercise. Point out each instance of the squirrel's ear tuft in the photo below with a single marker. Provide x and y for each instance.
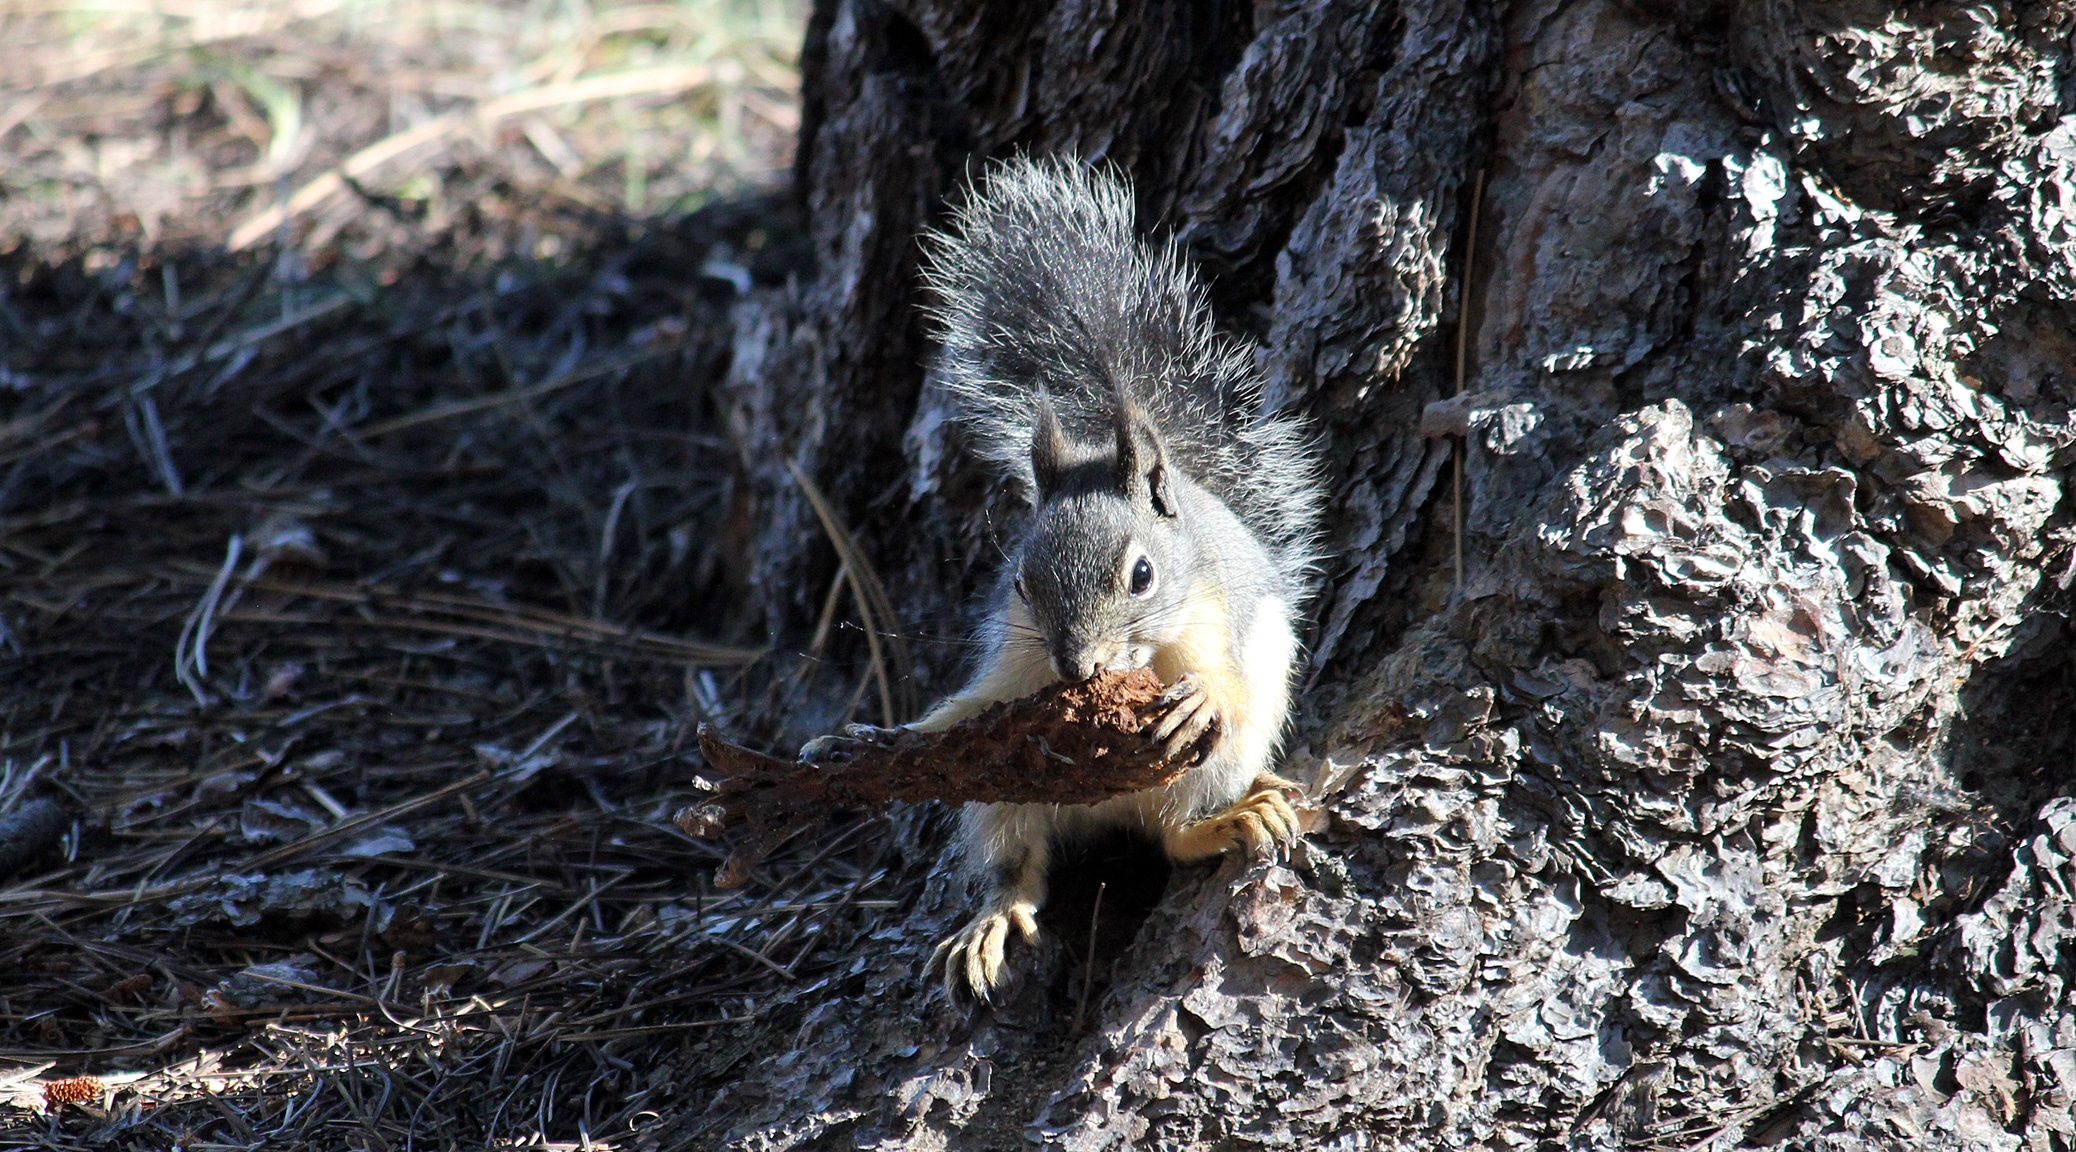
(1142, 462)
(1049, 452)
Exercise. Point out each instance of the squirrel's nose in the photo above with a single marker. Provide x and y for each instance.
(1076, 663)
(1074, 669)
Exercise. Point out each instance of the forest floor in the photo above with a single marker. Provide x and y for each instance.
(368, 543)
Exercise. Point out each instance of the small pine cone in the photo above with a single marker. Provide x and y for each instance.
(73, 1090)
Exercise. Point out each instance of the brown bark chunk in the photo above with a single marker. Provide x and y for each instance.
(1065, 744)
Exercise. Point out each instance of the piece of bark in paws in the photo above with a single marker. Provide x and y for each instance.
(1065, 744)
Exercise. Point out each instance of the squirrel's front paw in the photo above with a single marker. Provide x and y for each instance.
(973, 958)
(1186, 715)
(838, 746)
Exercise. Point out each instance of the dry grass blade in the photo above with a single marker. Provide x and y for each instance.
(642, 82)
(896, 695)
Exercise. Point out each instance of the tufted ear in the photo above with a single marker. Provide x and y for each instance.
(1142, 461)
(1050, 456)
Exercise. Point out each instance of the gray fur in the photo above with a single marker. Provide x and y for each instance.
(1073, 567)
(1043, 289)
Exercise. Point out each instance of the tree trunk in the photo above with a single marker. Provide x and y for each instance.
(1724, 797)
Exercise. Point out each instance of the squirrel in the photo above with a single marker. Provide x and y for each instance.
(1173, 523)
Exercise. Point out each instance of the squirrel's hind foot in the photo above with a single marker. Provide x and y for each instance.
(973, 960)
(1263, 823)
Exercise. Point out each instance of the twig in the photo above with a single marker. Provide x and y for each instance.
(521, 624)
(290, 851)
(652, 1029)
(575, 907)
(142, 1047)
(553, 384)
(1463, 301)
(1088, 967)
(191, 652)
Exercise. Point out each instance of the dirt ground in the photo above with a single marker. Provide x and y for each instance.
(364, 131)
(368, 548)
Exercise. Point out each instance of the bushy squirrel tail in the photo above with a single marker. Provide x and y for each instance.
(1041, 283)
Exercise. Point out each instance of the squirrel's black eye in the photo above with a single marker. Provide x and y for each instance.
(1142, 577)
(1020, 593)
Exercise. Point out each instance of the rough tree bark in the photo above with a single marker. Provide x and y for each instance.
(1728, 800)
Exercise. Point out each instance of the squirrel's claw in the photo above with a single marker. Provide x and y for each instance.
(1269, 826)
(838, 745)
(973, 959)
(1187, 714)
(1263, 823)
